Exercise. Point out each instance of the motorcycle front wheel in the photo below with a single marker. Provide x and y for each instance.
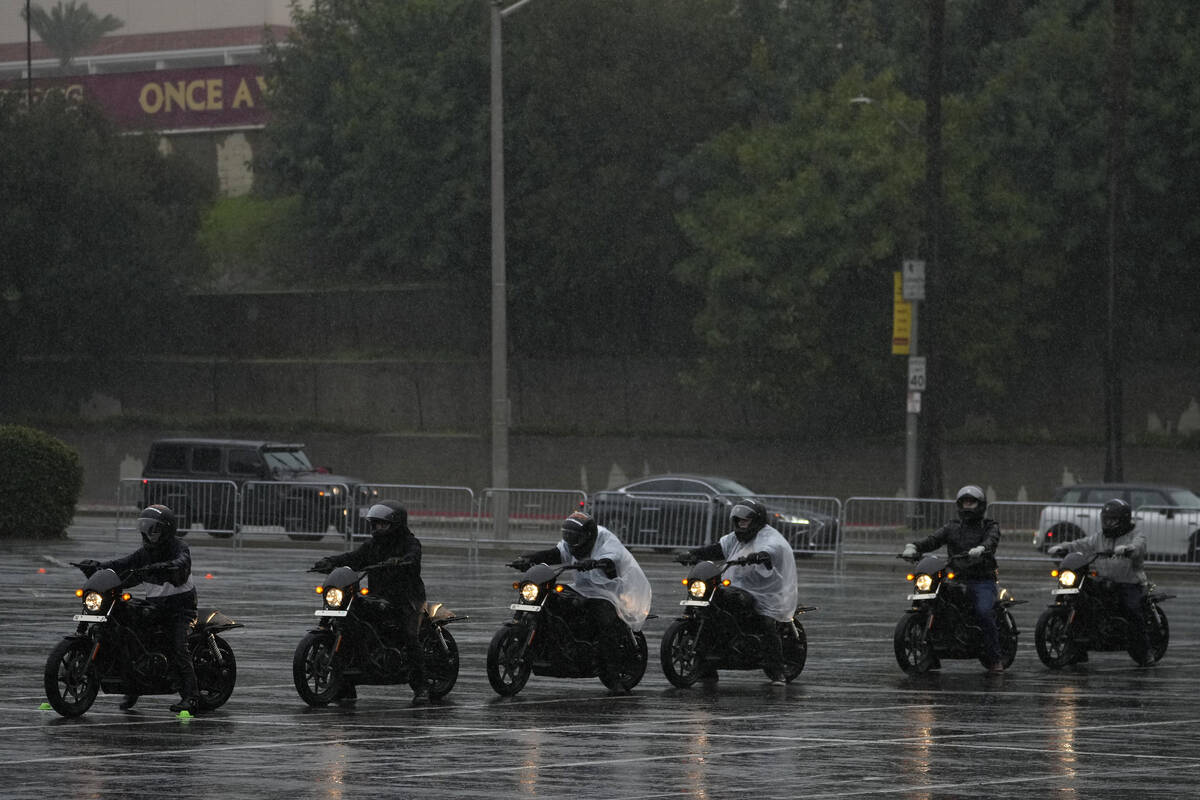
(317, 682)
(1055, 645)
(622, 677)
(507, 668)
(678, 654)
(914, 653)
(214, 676)
(441, 663)
(70, 678)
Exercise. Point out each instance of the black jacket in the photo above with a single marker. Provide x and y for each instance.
(168, 564)
(394, 584)
(959, 537)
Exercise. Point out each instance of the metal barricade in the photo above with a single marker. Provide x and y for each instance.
(882, 525)
(524, 516)
(660, 519)
(810, 524)
(199, 505)
(300, 510)
(444, 514)
(1023, 527)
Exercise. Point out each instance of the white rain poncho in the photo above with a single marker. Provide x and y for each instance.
(774, 590)
(629, 592)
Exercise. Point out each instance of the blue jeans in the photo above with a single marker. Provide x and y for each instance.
(983, 596)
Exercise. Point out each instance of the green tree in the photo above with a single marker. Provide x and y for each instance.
(69, 29)
(96, 227)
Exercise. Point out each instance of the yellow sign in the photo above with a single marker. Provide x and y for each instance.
(901, 317)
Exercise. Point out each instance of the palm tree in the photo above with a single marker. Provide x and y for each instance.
(68, 29)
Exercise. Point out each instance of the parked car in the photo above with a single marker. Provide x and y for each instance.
(202, 480)
(683, 510)
(1168, 516)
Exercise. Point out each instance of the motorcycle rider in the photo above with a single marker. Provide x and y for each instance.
(977, 537)
(397, 591)
(1118, 535)
(164, 562)
(616, 593)
(769, 584)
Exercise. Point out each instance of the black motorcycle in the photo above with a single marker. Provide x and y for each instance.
(352, 645)
(719, 629)
(942, 624)
(122, 647)
(1087, 614)
(550, 636)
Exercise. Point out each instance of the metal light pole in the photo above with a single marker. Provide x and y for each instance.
(501, 410)
(28, 60)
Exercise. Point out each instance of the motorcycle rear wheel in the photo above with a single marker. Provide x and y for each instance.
(70, 678)
(441, 665)
(914, 653)
(621, 678)
(215, 679)
(1055, 645)
(317, 682)
(681, 662)
(795, 653)
(507, 669)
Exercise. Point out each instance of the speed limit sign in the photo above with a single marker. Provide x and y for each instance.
(916, 373)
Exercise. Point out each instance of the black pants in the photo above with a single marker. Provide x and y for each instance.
(179, 612)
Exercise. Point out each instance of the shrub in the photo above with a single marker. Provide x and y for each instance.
(40, 481)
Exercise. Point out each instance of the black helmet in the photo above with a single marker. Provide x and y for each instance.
(965, 495)
(1116, 517)
(579, 532)
(748, 517)
(157, 525)
(386, 519)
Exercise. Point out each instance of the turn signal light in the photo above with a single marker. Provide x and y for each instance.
(79, 592)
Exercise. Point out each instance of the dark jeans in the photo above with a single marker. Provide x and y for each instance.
(983, 598)
(179, 610)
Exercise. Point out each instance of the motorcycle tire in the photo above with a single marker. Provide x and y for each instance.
(441, 663)
(1055, 644)
(316, 680)
(70, 678)
(622, 677)
(1159, 634)
(680, 661)
(795, 652)
(914, 653)
(507, 668)
(215, 678)
(1006, 633)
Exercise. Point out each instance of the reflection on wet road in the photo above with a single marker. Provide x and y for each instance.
(852, 725)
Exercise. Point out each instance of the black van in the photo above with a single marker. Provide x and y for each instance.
(204, 481)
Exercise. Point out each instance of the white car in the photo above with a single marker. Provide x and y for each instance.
(1168, 516)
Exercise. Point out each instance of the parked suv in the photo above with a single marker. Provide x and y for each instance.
(1168, 516)
(203, 479)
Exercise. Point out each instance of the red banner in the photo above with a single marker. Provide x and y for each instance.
(169, 99)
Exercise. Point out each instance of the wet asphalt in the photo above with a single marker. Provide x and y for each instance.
(852, 724)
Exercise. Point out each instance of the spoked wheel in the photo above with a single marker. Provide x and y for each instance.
(914, 653)
(628, 669)
(317, 682)
(795, 652)
(507, 668)
(1006, 630)
(70, 678)
(1157, 631)
(1055, 645)
(214, 676)
(678, 654)
(441, 662)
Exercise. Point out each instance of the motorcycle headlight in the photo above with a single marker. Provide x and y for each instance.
(697, 588)
(530, 592)
(1066, 578)
(93, 601)
(924, 583)
(334, 597)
